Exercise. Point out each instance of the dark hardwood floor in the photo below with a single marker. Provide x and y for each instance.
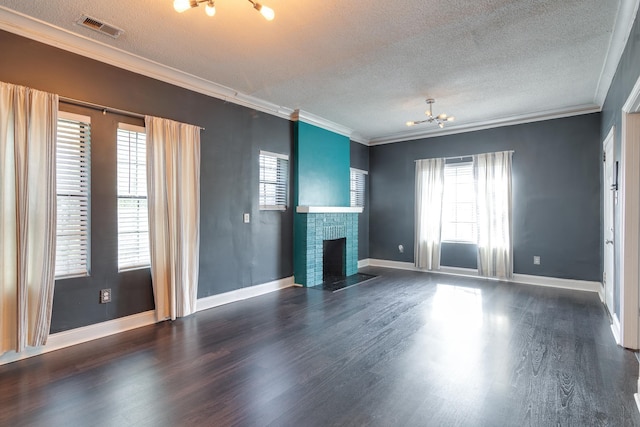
(403, 349)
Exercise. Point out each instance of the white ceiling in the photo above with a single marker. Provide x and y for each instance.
(366, 66)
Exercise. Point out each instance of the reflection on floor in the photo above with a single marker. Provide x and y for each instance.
(335, 284)
(405, 349)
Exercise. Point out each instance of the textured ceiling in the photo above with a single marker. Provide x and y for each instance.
(369, 65)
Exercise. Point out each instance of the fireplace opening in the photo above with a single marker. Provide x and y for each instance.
(333, 259)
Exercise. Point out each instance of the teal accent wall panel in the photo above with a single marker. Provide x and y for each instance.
(322, 167)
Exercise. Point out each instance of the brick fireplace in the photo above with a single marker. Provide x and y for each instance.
(322, 200)
(312, 229)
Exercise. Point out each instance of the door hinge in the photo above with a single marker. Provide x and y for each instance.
(604, 156)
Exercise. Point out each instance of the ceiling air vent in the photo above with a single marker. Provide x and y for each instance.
(99, 26)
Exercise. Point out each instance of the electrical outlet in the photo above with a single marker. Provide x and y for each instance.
(401, 249)
(246, 218)
(105, 296)
(536, 260)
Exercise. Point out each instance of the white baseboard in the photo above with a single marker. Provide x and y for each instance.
(459, 271)
(398, 265)
(242, 294)
(122, 324)
(554, 282)
(363, 263)
(615, 327)
(83, 334)
(601, 294)
(636, 396)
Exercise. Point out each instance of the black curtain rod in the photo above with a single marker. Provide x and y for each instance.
(103, 108)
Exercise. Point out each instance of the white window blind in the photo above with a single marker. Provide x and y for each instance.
(73, 183)
(459, 214)
(133, 226)
(357, 187)
(274, 180)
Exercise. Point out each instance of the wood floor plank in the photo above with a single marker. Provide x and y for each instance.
(403, 349)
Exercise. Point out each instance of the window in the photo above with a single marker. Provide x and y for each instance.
(357, 187)
(274, 179)
(73, 160)
(459, 204)
(133, 227)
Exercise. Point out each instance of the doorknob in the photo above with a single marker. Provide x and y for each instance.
(608, 242)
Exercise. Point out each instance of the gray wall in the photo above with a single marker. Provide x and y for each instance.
(232, 254)
(625, 78)
(360, 160)
(462, 255)
(556, 194)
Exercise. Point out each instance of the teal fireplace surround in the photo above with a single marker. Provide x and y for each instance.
(312, 229)
(321, 180)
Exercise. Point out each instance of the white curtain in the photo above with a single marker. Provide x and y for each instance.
(173, 182)
(428, 215)
(492, 173)
(28, 120)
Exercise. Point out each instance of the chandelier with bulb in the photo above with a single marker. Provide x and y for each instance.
(440, 119)
(210, 7)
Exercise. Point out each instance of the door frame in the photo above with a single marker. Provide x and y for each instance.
(609, 294)
(629, 247)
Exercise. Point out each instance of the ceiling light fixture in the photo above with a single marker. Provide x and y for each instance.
(210, 8)
(440, 119)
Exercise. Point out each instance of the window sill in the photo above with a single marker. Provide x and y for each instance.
(273, 208)
(142, 267)
(71, 276)
(459, 242)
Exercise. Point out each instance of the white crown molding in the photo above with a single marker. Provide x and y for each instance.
(622, 27)
(34, 29)
(312, 119)
(29, 27)
(489, 124)
(356, 137)
(43, 32)
(632, 104)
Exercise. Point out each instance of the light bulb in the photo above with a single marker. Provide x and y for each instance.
(266, 11)
(450, 119)
(411, 123)
(441, 125)
(181, 5)
(442, 116)
(210, 9)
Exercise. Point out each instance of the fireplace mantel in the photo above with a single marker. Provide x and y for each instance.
(328, 209)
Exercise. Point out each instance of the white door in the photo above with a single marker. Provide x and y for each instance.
(609, 200)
